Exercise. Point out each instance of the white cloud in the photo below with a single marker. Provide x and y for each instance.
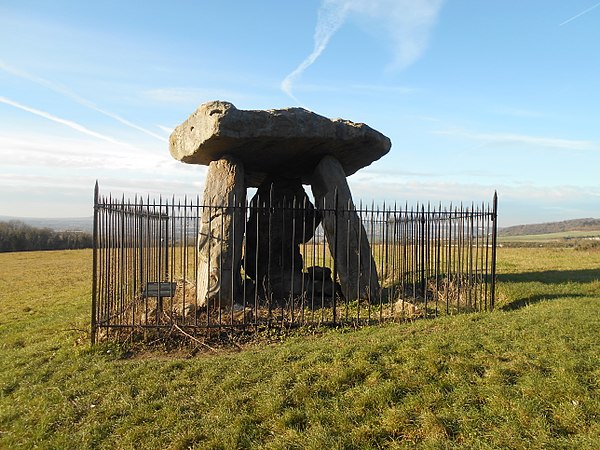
(519, 112)
(385, 89)
(76, 98)
(518, 203)
(513, 138)
(39, 184)
(358, 88)
(47, 171)
(411, 190)
(50, 153)
(42, 184)
(406, 185)
(167, 130)
(185, 95)
(332, 15)
(168, 188)
(69, 123)
(407, 22)
(128, 123)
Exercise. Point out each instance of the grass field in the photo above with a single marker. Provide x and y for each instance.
(525, 376)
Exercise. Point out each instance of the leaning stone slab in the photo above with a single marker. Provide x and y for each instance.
(221, 233)
(348, 242)
(289, 142)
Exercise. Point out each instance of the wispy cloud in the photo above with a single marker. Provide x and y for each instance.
(413, 190)
(358, 89)
(39, 163)
(69, 123)
(128, 123)
(384, 89)
(52, 153)
(407, 22)
(519, 203)
(167, 130)
(580, 14)
(512, 138)
(52, 196)
(332, 15)
(186, 95)
(40, 183)
(519, 112)
(76, 98)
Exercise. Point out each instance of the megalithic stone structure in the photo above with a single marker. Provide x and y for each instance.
(279, 144)
(346, 236)
(221, 233)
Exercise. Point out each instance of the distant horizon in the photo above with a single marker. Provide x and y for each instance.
(91, 218)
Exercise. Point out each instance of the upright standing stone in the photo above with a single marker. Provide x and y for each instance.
(346, 236)
(221, 233)
(281, 217)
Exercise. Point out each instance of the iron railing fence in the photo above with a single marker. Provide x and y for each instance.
(429, 261)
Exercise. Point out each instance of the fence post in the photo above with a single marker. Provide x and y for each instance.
(94, 265)
(335, 251)
(422, 257)
(122, 262)
(166, 239)
(494, 244)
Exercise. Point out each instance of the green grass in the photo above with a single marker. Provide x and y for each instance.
(526, 375)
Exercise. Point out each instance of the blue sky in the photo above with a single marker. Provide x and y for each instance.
(476, 96)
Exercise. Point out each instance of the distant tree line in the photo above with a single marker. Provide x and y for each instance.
(588, 224)
(16, 236)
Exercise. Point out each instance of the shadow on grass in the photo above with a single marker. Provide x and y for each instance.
(552, 276)
(533, 299)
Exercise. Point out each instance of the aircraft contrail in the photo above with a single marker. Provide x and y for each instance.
(329, 21)
(68, 123)
(76, 98)
(580, 14)
(165, 129)
(406, 22)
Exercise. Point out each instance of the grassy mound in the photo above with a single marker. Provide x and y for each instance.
(526, 375)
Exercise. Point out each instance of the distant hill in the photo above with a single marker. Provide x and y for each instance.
(85, 224)
(588, 224)
(17, 236)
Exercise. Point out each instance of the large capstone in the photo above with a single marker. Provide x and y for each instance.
(287, 142)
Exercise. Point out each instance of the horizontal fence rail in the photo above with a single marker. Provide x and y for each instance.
(157, 266)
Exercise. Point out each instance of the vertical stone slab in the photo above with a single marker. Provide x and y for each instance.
(354, 261)
(281, 218)
(221, 233)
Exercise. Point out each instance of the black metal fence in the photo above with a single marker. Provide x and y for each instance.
(429, 261)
